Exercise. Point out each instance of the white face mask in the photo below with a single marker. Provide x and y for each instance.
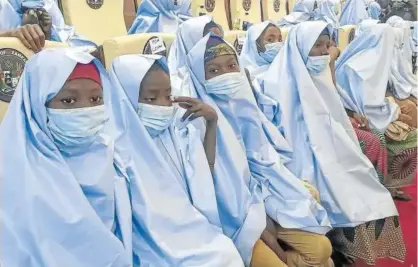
(225, 85)
(75, 127)
(318, 64)
(155, 118)
(271, 51)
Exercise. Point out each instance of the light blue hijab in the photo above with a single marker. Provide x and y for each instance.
(363, 71)
(286, 199)
(54, 208)
(325, 148)
(250, 57)
(188, 34)
(305, 10)
(374, 10)
(240, 204)
(179, 233)
(403, 81)
(160, 16)
(354, 11)
(11, 18)
(251, 60)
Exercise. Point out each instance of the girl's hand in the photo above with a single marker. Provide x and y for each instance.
(196, 109)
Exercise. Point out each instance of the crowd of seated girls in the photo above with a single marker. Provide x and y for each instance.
(288, 154)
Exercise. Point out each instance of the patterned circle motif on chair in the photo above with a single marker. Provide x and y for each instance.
(12, 63)
(351, 35)
(246, 4)
(155, 46)
(95, 4)
(276, 5)
(210, 5)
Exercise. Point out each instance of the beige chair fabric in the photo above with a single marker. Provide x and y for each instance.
(345, 35)
(135, 44)
(245, 11)
(214, 8)
(13, 56)
(274, 9)
(104, 22)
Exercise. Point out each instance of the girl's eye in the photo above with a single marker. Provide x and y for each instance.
(96, 99)
(213, 71)
(68, 101)
(150, 99)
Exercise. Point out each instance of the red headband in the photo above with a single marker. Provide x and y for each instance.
(85, 71)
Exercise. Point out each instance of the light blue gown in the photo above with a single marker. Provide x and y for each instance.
(234, 210)
(326, 151)
(11, 18)
(354, 11)
(286, 199)
(363, 72)
(305, 10)
(160, 16)
(57, 208)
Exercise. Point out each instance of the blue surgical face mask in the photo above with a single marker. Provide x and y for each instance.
(318, 64)
(225, 85)
(155, 118)
(271, 51)
(75, 128)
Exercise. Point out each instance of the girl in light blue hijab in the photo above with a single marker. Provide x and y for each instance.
(293, 210)
(63, 169)
(46, 14)
(326, 151)
(262, 44)
(219, 190)
(101, 204)
(160, 16)
(188, 34)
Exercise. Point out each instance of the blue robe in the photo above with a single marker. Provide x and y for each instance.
(304, 10)
(326, 151)
(210, 208)
(160, 16)
(286, 199)
(354, 11)
(58, 208)
(363, 71)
